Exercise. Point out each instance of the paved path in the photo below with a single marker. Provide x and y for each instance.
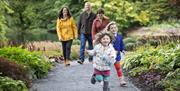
(76, 78)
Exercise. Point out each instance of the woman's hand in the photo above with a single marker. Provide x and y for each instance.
(85, 51)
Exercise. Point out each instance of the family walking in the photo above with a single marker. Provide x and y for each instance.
(104, 43)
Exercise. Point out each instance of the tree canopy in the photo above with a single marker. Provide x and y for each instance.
(31, 19)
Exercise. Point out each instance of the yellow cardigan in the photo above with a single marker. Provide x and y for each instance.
(66, 29)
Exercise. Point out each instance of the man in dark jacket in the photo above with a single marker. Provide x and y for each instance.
(84, 28)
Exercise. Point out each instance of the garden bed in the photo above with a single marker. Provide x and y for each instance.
(155, 68)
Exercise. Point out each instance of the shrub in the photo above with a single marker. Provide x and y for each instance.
(153, 42)
(36, 63)
(76, 42)
(130, 46)
(172, 81)
(13, 70)
(162, 61)
(129, 40)
(8, 84)
(130, 43)
(75, 52)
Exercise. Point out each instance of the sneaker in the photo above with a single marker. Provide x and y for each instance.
(122, 82)
(93, 79)
(80, 62)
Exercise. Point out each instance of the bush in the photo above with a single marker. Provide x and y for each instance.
(13, 70)
(164, 60)
(8, 84)
(129, 40)
(75, 52)
(38, 66)
(130, 43)
(153, 42)
(76, 42)
(130, 46)
(172, 81)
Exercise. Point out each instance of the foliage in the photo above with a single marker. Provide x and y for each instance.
(36, 63)
(24, 20)
(172, 81)
(35, 18)
(13, 70)
(130, 13)
(130, 46)
(43, 45)
(129, 40)
(130, 43)
(170, 24)
(150, 78)
(76, 42)
(49, 48)
(75, 52)
(8, 84)
(4, 6)
(164, 59)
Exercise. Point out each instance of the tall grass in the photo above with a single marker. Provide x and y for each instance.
(49, 48)
(171, 24)
(43, 45)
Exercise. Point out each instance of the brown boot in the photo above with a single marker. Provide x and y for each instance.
(67, 63)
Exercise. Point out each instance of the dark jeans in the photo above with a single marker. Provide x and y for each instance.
(84, 38)
(66, 46)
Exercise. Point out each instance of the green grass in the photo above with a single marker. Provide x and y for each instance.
(164, 25)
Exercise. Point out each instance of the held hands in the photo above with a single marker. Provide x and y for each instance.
(122, 55)
(123, 52)
(86, 51)
(93, 42)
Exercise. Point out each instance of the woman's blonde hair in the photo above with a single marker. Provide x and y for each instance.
(101, 34)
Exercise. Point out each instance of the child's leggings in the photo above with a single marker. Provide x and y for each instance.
(102, 75)
(100, 78)
(118, 68)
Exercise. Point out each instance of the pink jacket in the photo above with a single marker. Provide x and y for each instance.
(98, 25)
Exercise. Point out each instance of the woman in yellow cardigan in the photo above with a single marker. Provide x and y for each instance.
(66, 31)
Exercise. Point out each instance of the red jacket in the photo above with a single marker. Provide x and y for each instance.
(98, 25)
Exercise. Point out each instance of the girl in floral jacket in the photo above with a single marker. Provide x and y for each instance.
(104, 56)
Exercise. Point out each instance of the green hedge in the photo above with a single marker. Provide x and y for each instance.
(37, 65)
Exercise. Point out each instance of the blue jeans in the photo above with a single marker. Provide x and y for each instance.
(84, 38)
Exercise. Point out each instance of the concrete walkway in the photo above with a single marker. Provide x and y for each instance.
(76, 78)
